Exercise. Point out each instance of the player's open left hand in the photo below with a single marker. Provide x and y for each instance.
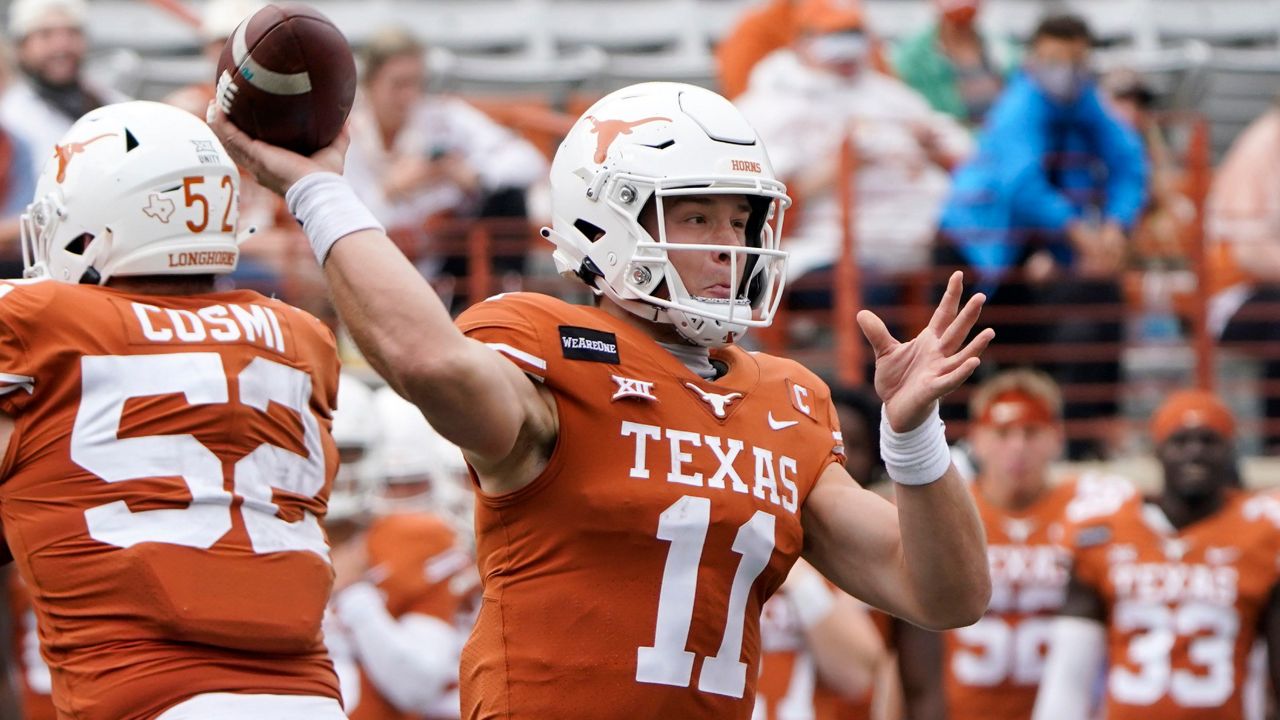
(274, 167)
(911, 376)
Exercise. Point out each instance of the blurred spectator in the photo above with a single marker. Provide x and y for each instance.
(957, 68)
(763, 29)
(1159, 237)
(17, 183)
(416, 156)
(1039, 217)
(1243, 219)
(806, 100)
(50, 93)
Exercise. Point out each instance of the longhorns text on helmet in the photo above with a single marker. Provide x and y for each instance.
(657, 141)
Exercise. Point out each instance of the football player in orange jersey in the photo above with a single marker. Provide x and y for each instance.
(821, 651)
(1170, 594)
(644, 484)
(991, 669)
(167, 446)
(403, 583)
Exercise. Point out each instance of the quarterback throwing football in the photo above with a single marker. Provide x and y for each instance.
(644, 484)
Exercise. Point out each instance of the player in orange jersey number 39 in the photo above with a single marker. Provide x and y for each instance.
(643, 483)
(168, 451)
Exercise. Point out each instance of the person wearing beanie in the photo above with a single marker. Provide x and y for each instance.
(1169, 594)
(50, 92)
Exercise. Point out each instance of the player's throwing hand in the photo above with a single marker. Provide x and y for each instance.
(912, 376)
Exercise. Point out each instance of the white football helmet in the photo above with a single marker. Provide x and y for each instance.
(355, 432)
(649, 142)
(135, 188)
(411, 452)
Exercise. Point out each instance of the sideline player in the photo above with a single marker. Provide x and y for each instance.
(1168, 594)
(402, 585)
(991, 670)
(168, 451)
(643, 483)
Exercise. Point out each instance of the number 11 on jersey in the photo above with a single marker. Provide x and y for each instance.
(667, 662)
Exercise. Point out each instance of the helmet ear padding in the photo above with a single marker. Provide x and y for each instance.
(638, 146)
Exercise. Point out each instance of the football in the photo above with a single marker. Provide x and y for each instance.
(287, 77)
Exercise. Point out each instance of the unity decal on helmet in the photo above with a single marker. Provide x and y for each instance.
(608, 131)
(206, 152)
(64, 153)
(160, 208)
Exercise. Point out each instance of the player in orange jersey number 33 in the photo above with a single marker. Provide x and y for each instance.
(644, 484)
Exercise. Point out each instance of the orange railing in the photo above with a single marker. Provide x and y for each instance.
(486, 257)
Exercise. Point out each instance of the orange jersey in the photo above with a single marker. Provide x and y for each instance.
(992, 668)
(1182, 608)
(417, 564)
(790, 687)
(629, 576)
(161, 492)
(29, 667)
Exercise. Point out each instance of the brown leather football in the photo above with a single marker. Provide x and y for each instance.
(287, 77)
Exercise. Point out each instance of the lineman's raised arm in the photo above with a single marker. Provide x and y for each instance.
(474, 397)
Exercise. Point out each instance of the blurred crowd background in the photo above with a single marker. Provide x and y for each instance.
(1132, 248)
(1107, 171)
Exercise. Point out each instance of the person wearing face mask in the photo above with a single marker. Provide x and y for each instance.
(958, 68)
(1042, 212)
(805, 100)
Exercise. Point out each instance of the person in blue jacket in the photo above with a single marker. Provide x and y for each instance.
(1040, 217)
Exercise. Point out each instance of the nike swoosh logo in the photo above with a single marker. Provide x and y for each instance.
(781, 424)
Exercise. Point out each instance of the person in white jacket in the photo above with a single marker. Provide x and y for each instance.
(415, 155)
(805, 100)
(50, 92)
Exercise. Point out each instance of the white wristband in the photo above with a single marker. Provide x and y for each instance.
(915, 457)
(329, 210)
(811, 599)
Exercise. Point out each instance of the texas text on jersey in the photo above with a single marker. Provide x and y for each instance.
(167, 556)
(1183, 608)
(993, 667)
(648, 545)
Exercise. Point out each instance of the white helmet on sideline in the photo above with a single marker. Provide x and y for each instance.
(355, 432)
(135, 188)
(653, 141)
(410, 452)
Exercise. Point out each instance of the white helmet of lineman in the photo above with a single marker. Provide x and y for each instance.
(135, 188)
(411, 453)
(355, 432)
(649, 142)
